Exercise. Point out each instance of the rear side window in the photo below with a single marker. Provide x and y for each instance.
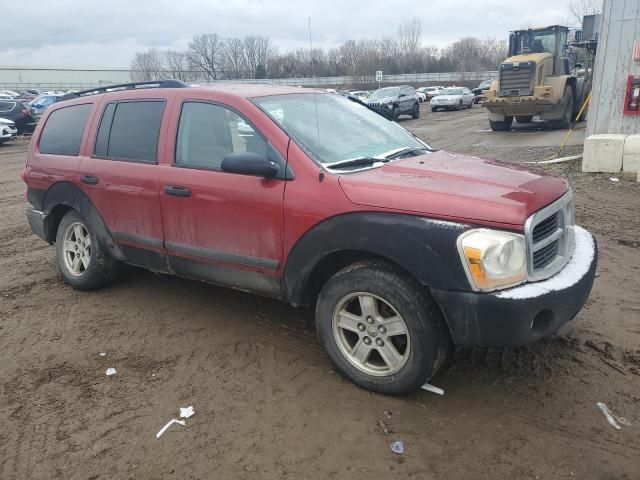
(130, 131)
(6, 106)
(63, 131)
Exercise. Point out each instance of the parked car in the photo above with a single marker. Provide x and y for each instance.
(429, 92)
(402, 250)
(453, 98)
(19, 113)
(9, 93)
(41, 103)
(8, 130)
(392, 102)
(484, 85)
(362, 95)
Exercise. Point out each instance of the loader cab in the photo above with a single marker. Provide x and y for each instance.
(540, 41)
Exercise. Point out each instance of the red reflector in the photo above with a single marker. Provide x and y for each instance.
(25, 111)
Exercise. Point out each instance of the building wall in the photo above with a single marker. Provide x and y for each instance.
(619, 29)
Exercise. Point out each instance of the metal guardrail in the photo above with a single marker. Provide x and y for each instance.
(412, 78)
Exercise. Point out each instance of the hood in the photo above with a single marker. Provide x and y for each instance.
(529, 57)
(381, 100)
(455, 187)
(4, 121)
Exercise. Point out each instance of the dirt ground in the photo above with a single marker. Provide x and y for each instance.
(268, 402)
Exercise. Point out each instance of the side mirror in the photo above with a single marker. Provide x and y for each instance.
(249, 163)
(403, 95)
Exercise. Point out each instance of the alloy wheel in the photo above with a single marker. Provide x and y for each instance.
(76, 249)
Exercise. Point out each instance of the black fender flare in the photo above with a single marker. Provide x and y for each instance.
(69, 195)
(425, 248)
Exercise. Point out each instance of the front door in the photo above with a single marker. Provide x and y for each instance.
(221, 227)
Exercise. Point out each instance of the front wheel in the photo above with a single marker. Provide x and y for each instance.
(415, 114)
(503, 126)
(567, 112)
(434, 109)
(381, 329)
(459, 106)
(81, 258)
(395, 113)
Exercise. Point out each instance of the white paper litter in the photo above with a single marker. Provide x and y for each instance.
(186, 412)
(169, 423)
(571, 274)
(607, 413)
(614, 179)
(430, 388)
(111, 371)
(103, 354)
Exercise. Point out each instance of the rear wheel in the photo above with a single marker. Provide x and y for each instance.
(381, 329)
(415, 114)
(82, 260)
(501, 126)
(524, 118)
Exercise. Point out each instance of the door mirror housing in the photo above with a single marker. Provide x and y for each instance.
(249, 163)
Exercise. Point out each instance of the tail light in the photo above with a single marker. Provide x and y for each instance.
(25, 111)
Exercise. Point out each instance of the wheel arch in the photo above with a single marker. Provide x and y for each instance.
(423, 248)
(64, 196)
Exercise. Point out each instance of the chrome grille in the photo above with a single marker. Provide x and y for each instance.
(515, 79)
(550, 238)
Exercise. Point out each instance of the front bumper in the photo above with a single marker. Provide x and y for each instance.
(523, 314)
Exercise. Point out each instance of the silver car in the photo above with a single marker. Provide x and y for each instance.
(452, 98)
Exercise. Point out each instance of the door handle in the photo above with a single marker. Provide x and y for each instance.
(89, 179)
(177, 191)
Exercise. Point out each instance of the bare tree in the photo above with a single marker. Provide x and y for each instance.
(177, 66)
(580, 8)
(205, 53)
(146, 66)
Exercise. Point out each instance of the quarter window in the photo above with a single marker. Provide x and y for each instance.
(130, 131)
(63, 131)
(208, 132)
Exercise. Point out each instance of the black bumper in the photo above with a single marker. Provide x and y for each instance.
(37, 220)
(489, 320)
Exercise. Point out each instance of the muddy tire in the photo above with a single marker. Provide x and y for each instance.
(567, 115)
(415, 114)
(503, 126)
(381, 329)
(524, 118)
(82, 260)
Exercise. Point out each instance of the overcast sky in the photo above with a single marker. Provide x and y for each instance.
(73, 33)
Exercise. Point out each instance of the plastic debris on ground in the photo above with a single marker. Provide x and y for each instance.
(103, 354)
(614, 179)
(430, 388)
(111, 371)
(186, 412)
(397, 447)
(168, 424)
(613, 420)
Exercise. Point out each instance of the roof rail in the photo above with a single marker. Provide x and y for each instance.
(170, 83)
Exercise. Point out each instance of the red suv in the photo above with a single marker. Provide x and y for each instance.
(314, 199)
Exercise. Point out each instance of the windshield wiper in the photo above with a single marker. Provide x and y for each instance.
(355, 162)
(399, 152)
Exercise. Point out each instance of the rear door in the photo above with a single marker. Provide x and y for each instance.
(120, 175)
(222, 227)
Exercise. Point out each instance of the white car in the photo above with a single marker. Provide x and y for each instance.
(362, 95)
(421, 96)
(452, 98)
(9, 93)
(8, 130)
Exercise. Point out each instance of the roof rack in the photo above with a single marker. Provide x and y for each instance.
(170, 83)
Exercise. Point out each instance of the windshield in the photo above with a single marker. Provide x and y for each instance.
(451, 91)
(539, 41)
(331, 128)
(385, 92)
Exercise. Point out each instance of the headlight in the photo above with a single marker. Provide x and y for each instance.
(493, 259)
(389, 105)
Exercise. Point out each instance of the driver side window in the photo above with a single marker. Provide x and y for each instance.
(208, 132)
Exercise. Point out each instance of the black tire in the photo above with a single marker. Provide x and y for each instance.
(395, 113)
(503, 126)
(434, 109)
(470, 105)
(567, 113)
(101, 269)
(416, 112)
(524, 118)
(430, 342)
(459, 106)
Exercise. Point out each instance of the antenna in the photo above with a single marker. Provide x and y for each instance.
(311, 48)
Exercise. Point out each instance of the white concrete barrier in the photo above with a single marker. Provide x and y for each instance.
(631, 155)
(603, 153)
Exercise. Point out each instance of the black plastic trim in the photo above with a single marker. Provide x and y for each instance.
(222, 256)
(35, 196)
(140, 239)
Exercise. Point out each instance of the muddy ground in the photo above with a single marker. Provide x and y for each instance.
(268, 402)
